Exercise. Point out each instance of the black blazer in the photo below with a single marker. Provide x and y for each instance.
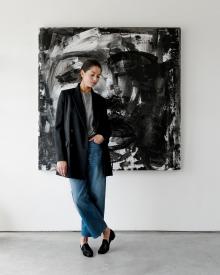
(71, 138)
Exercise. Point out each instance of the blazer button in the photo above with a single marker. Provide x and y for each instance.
(71, 130)
(71, 145)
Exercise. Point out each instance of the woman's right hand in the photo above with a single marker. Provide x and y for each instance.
(62, 167)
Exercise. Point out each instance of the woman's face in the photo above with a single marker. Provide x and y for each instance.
(91, 76)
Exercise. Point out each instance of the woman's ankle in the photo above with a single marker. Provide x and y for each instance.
(83, 239)
(106, 233)
(107, 229)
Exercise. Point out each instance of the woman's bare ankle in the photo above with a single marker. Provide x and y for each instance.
(83, 240)
(106, 233)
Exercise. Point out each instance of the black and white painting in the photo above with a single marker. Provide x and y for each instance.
(140, 81)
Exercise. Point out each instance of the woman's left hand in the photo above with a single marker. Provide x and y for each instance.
(97, 139)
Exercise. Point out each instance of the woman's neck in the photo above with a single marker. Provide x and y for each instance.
(84, 89)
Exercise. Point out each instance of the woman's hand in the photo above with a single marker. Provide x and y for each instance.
(62, 167)
(97, 139)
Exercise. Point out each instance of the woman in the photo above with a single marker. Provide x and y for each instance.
(82, 133)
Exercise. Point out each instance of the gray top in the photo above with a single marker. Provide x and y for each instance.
(87, 100)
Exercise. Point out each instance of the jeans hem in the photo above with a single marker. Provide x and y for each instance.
(94, 236)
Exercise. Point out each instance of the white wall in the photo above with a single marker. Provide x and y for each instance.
(176, 200)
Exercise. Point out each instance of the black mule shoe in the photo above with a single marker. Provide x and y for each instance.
(86, 249)
(106, 244)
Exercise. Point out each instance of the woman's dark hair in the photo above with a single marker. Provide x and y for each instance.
(90, 63)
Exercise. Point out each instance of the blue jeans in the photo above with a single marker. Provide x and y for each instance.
(89, 194)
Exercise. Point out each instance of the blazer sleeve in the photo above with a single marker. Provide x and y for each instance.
(59, 129)
(105, 126)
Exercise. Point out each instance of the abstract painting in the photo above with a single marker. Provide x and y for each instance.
(140, 82)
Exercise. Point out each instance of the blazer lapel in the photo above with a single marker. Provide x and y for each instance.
(78, 100)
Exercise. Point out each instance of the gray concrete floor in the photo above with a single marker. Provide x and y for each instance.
(132, 252)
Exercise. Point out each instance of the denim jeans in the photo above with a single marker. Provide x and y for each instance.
(89, 194)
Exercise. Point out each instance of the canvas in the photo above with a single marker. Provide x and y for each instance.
(140, 81)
